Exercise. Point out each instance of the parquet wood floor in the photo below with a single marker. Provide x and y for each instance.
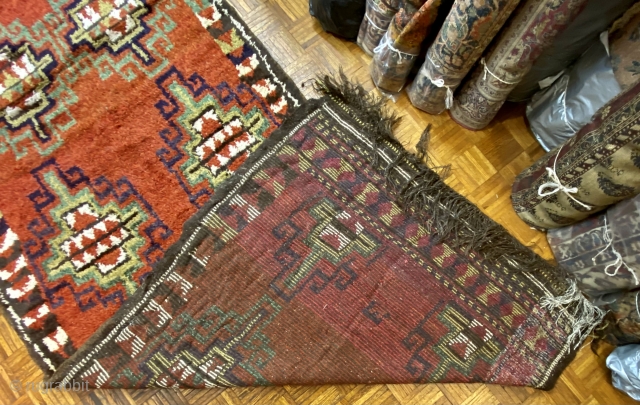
(484, 165)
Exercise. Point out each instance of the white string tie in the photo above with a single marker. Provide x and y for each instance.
(374, 24)
(608, 237)
(486, 70)
(385, 42)
(555, 185)
(448, 100)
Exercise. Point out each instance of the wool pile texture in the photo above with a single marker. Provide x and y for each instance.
(118, 119)
(314, 265)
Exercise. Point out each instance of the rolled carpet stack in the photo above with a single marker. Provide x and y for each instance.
(510, 59)
(602, 251)
(397, 52)
(466, 32)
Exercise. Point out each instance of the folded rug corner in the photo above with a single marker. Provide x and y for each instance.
(332, 256)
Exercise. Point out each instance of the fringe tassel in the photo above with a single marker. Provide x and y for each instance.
(584, 315)
(450, 216)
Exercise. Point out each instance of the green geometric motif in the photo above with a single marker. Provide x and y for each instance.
(107, 22)
(466, 342)
(134, 45)
(96, 242)
(239, 338)
(22, 97)
(219, 140)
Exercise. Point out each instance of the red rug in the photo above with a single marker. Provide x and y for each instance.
(334, 257)
(118, 119)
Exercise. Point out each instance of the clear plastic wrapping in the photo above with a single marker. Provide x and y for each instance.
(375, 23)
(429, 92)
(391, 67)
(624, 363)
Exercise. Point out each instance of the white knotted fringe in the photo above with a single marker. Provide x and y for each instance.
(608, 237)
(486, 70)
(584, 316)
(555, 185)
(385, 42)
(448, 99)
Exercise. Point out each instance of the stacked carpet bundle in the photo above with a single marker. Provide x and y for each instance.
(598, 167)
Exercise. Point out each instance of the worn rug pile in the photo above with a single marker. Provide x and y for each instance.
(321, 252)
(118, 118)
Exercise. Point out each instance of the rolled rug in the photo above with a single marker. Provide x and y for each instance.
(598, 167)
(625, 50)
(601, 251)
(397, 52)
(624, 322)
(466, 32)
(532, 29)
(376, 20)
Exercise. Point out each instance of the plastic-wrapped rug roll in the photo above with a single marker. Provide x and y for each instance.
(391, 67)
(567, 47)
(602, 252)
(530, 31)
(397, 52)
(624, 363)
(556, 113)
(376, 20)
(466, 32)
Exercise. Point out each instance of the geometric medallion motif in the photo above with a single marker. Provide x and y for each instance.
(95, 242)
(98, 238)
(212, 130)
(24, 78)
(116, 24)
(94, 230)
(336, 236)
(99, 78)
(39, 70)
(466, 343)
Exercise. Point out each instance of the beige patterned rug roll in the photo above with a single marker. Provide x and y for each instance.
(596, 168)
(532, 29)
